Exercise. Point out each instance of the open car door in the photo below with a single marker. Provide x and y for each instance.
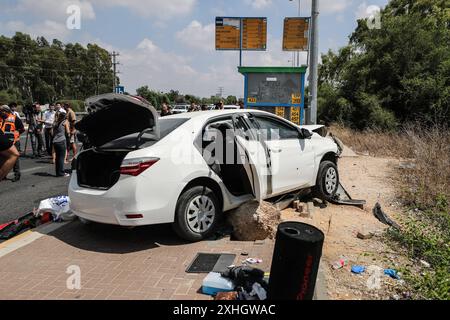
(252, 155)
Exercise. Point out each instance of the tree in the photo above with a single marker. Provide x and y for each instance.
(37, 70)
(398, 73)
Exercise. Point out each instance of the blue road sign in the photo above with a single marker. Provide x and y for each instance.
(120, 89)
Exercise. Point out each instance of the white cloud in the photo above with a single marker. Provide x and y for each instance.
(328, 6)
(259, 4)
(53, 9)
(197, 36)
(48, 29)
(365, 11)
(160, 9)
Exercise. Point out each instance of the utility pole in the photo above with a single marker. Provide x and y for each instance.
(220, 92)
(114, 56)
(314, 61)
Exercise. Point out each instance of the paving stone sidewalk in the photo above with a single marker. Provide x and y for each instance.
(115, 263)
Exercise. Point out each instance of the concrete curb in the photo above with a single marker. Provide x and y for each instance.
(28, 237)
(321, 285)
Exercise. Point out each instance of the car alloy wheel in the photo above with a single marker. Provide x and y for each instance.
(200, 214)
(330, 180)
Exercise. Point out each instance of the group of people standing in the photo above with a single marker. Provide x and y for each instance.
(53, 130)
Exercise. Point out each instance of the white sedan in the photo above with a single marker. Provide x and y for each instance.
(188, 169)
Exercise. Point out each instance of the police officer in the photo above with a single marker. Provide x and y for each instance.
(12, 127)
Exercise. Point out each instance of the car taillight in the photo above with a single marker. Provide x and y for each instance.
(135, 167)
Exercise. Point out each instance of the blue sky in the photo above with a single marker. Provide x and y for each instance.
(169, 44)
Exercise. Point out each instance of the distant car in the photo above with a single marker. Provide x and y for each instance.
(230, 107)
(180, 109)
(173, 169)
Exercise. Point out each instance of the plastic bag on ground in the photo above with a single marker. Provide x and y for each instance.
(59, 207)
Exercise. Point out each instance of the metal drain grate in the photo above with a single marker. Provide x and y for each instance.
(210, 262)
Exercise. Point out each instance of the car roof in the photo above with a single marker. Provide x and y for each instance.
(209, 114)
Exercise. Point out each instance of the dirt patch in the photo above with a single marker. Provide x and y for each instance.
(254, 221)
(370, 179)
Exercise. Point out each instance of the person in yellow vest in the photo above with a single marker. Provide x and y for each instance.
(12, 127)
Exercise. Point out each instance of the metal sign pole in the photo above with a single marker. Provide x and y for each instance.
(241, 27)
(314, 56)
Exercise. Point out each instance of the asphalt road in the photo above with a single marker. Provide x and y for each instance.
(38, 182)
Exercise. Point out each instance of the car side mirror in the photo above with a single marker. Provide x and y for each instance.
(305, 133)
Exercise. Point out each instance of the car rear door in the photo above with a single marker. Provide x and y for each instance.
(253, 156)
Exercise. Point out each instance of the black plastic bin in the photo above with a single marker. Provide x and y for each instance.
(295, 262)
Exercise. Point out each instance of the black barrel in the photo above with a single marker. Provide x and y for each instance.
(295, 262)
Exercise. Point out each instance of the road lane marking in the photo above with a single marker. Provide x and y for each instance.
(32, 169)
(28, 237)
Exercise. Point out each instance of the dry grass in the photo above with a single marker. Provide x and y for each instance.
(375, 142)
(426, 180)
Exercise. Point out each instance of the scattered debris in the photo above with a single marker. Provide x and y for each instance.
(339, 264)
(344, 198)
(214, 283)
(59, 207)
(383, 217)
(230, 296)
(249, 282)
(358, 269)
(252, 261)
(254, 221)
(425, 264)
(392, 273)
(407, 165)
(365, 235)
(10, 229)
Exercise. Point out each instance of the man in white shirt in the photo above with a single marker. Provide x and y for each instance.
(49, 119)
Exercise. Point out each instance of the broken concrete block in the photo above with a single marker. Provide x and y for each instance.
(311, 208)
(305, 214)
(254, 221)
(364, 235)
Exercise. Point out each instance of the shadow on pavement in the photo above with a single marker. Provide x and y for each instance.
(43, 174)
(116, 239)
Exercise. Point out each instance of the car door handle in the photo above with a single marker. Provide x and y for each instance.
(275, 150)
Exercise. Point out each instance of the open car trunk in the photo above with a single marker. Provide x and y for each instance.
(99, 169)
(115, 125)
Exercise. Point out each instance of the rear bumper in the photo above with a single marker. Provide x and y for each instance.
(131, 195)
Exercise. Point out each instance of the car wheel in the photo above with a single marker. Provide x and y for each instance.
(197, 214)
(327, 181)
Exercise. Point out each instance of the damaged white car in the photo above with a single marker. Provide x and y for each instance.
(137, 169)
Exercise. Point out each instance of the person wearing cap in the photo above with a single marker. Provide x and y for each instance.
(8, 152)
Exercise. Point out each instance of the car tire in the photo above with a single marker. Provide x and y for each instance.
(197, 214)
(327, 182)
